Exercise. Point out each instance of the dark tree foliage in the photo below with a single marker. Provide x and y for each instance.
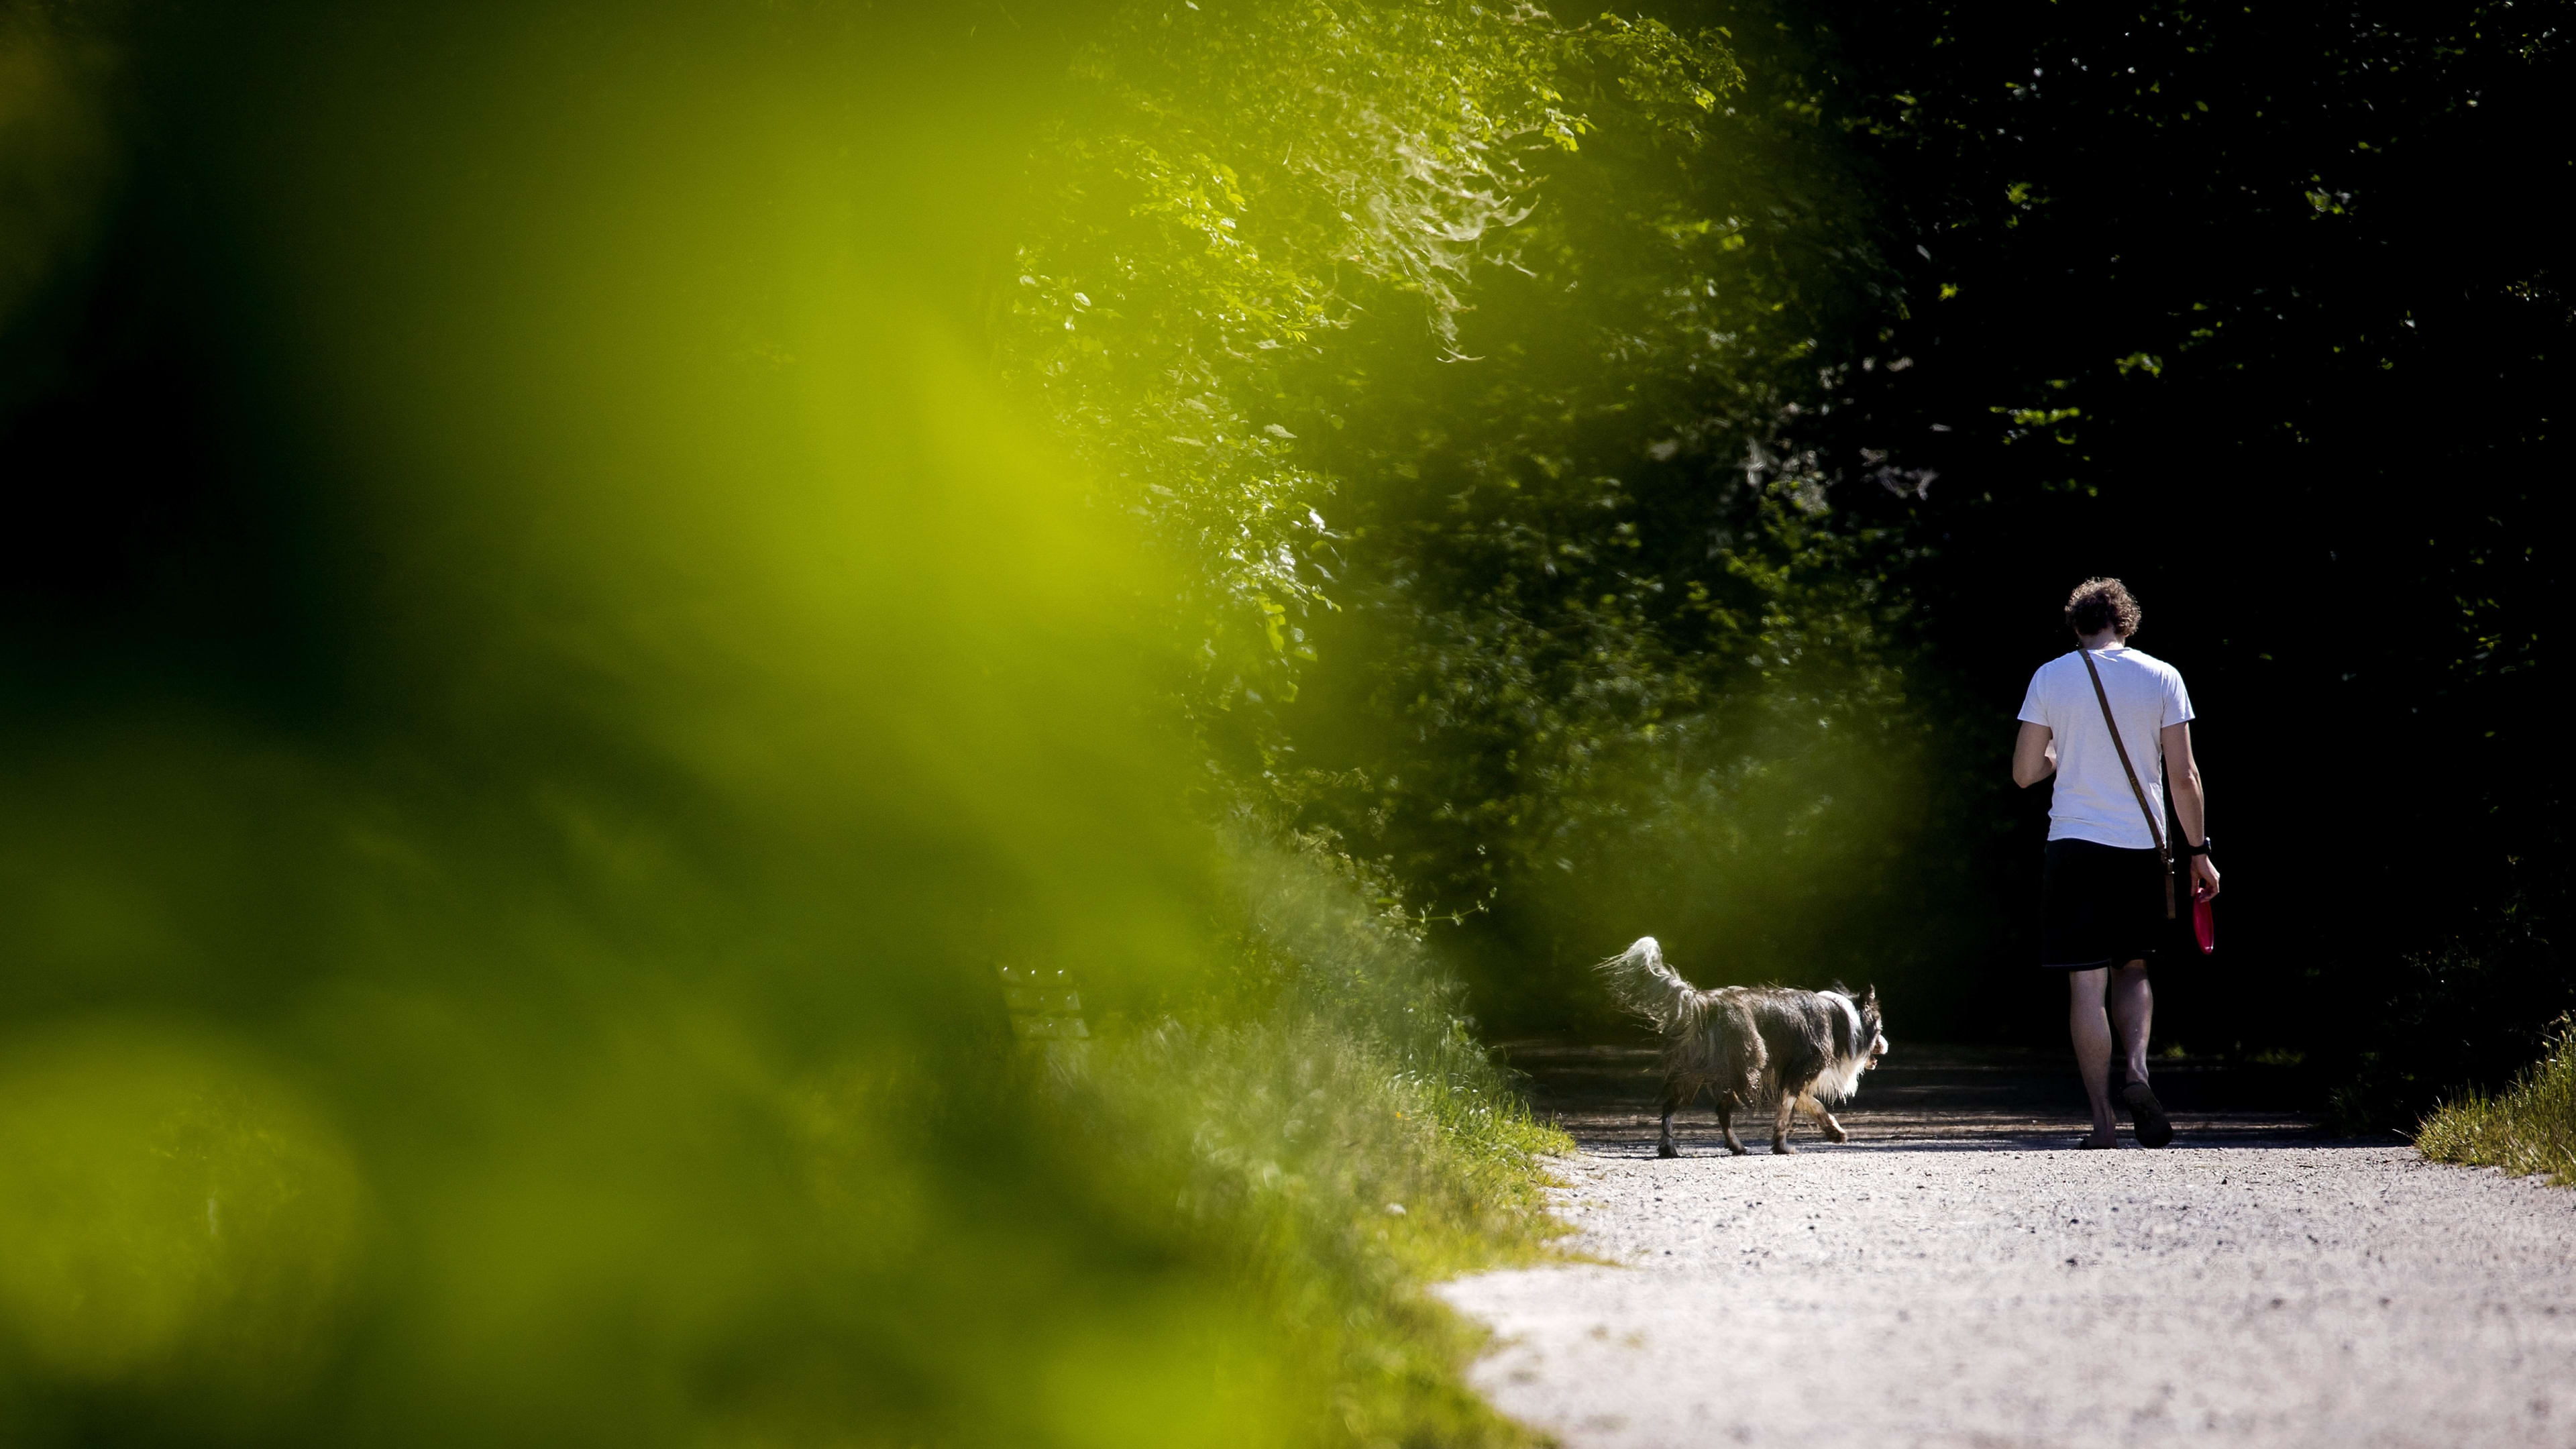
(2264, 310)
(1614, 664)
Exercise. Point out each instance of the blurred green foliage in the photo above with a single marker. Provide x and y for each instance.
(54, 149)
(554, 675)
(171, 1210)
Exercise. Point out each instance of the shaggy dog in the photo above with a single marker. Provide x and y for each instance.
(1741, 1042)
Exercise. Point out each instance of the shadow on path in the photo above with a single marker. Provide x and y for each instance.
(1920, 1099)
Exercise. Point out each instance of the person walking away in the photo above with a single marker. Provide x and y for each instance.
(2106, 893)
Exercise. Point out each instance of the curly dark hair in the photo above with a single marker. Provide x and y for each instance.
(2099, 604)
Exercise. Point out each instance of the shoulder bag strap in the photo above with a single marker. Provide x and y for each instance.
(2155, 827)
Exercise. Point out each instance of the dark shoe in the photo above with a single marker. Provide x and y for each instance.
(2147, 1115)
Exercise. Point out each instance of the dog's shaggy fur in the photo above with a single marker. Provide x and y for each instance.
(1744, 1042)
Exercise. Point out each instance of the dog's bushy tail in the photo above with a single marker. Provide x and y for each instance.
(1648, 987)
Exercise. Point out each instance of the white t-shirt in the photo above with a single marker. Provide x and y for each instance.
(2092, 800)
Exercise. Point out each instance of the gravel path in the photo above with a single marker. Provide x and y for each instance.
(1948, 1288)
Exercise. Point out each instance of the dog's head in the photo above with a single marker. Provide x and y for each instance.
(1866, 1043)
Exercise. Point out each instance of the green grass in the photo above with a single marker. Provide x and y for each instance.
(2529, 1127)
(1335, 1184)
(1344, 1141)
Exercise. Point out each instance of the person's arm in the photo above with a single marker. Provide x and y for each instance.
(2034, 755)
(2191, 806)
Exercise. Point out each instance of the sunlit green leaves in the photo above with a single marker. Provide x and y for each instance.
(1528, 311)
(1239, 187)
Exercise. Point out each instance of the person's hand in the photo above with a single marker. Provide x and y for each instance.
(2204, 879)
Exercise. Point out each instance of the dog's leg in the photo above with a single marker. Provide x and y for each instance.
(1726, 1123)
(1825, 1122)
(1673, 1099)
(1780, 1126)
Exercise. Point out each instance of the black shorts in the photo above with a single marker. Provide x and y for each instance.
(2100, 905)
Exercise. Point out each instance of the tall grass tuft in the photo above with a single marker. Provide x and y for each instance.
(1339, 1139)
(2529, 1127)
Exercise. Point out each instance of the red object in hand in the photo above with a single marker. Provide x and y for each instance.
(2204, 919)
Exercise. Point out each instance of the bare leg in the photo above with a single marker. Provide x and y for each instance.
(1780, 1128)
(1825, 1122)
(2133, 1011)
(2091, 1028)
(1726, 1123)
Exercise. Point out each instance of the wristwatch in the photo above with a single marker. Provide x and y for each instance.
(2201, 849)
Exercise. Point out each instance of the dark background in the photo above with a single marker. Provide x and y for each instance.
(2296, 278)
(2263, 312)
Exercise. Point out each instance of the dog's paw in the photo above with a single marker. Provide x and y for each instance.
(1836, 1134)
(1784, 1149)
(1737, 1148)
(1666, 1149)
